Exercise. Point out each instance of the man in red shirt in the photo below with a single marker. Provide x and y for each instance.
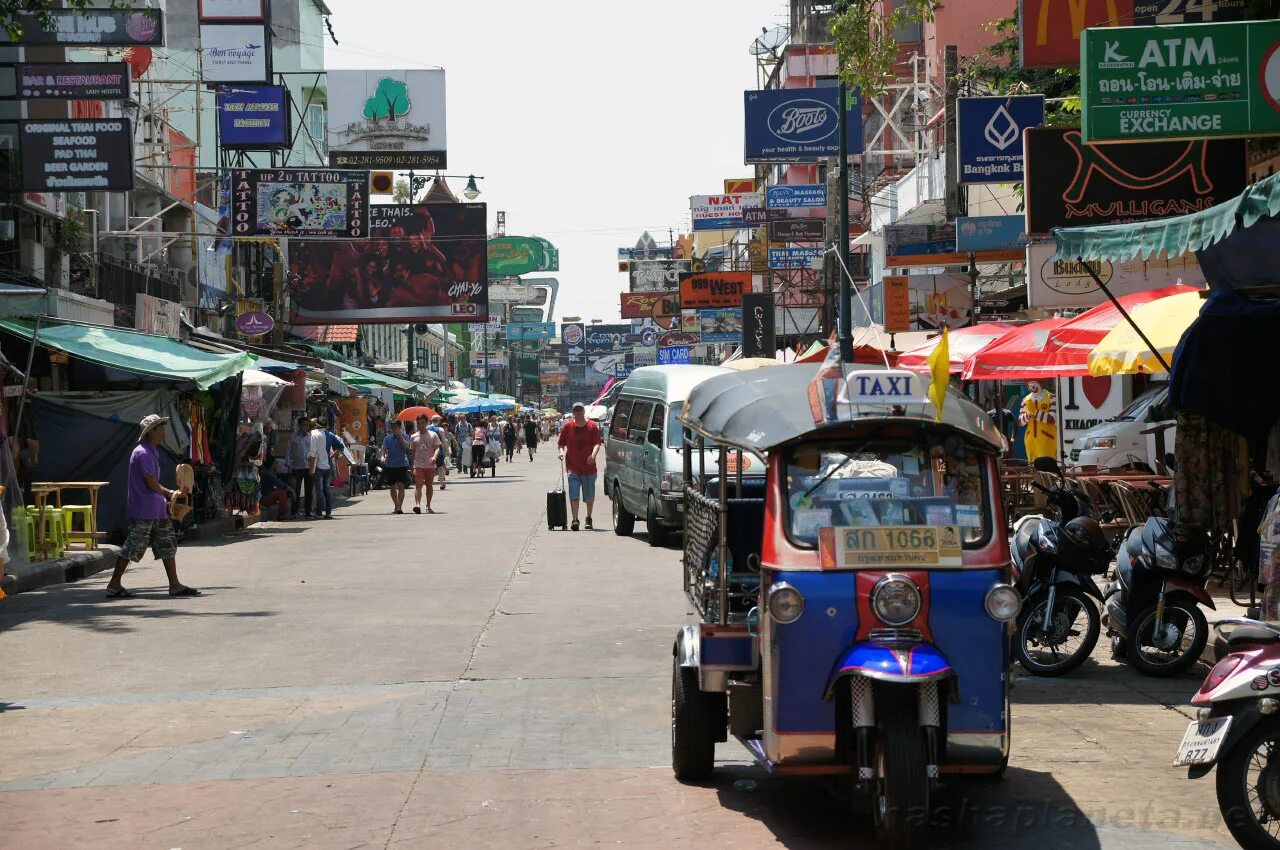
(579, 445)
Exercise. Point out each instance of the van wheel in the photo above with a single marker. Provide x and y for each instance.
(624, 522)
(659, 534)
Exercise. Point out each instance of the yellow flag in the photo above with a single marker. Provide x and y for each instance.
(939, 361)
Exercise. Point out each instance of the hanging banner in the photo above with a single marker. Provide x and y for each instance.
(235, 53)
(387, 119)
(94, 27)
(253, 118)
(76, 156)
(798, 230)
(73, 81)
(420, 263)
(720, 212)
(799, 196)
(722, 324)
(1067, 283)
(1070, 184)
(989, 131)
(758, 325)
(307, 202)
(656, 275)
(991, 233)
(798, 125)
(353, 420)
(1187, 82)
(936, 300)
(714, 289)
(897, 305)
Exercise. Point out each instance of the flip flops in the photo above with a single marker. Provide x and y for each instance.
(185, 592)
(118, 593)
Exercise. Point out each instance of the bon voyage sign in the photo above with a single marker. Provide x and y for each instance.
(1181, 82)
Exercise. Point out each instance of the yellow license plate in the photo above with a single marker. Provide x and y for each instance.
(894, 546)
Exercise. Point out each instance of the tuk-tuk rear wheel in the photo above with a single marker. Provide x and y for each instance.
(694, 714)
(901, 807)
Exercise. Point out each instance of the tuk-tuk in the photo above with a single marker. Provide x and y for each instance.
(854, 604)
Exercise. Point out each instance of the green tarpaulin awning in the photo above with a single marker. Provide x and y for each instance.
(19, 300)
(1175, 235)
(142, 354)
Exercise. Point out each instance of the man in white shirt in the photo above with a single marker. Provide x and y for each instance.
(318, 462)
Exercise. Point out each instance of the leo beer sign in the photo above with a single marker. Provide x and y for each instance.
(714, 289)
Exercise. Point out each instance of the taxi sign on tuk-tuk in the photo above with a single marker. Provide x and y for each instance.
(890, 546)
(888, 386)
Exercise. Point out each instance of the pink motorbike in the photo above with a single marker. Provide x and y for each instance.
(1237, 727)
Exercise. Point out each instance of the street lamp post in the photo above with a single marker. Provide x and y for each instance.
(842, 246)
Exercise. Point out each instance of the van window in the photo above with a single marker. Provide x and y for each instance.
(659, 419)
(621, 415)
(675, 430)
(640, 416)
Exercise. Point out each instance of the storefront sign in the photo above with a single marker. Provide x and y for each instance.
(798, 230)
(310, 202)
(674, 356)
(666, 311)
(1067, 283)
(235, 53)
(759, 215)
(76, 156)
(256, 323)
(714, 289)
(990, 136)
(226, 11)
(253, 117)
(419, 263)
(95, 27)
(935, 300)
(720, 212)
(1184, 82)
(795, 258)
(510, 256)
(603, 338)
(991, 233)
(530, 331)
(800, 196)
(720, 325)
(1070, 184)
(897, 305)
(1051, 29)
(758, 325)
(921, 244)
(571, 336)
(677, 339)
(656, 275)
(798, 125)
(73, 80)
(639, 305)
(387, 119)
(739, 185)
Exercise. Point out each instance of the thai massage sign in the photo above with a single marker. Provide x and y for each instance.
(1182, 82)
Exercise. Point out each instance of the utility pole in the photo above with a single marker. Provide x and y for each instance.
(412, 344)
(842, 235)
(951, 90)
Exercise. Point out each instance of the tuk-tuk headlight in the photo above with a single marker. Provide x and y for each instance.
(1002, 603)
(895, 600)
(785, 603)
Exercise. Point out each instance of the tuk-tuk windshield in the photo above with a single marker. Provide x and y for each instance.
(887, 483)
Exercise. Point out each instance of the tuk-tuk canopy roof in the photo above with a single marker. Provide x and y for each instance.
(761, 409)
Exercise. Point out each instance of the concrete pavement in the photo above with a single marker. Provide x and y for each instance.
(472, 679)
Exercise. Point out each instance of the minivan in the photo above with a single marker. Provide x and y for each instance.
(644, 470)
(1127, 440)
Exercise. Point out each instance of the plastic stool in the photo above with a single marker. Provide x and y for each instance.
(86, 535)
(24, 531)
(53, 528)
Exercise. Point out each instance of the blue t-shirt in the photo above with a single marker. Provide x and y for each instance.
(396, 456)
(334, 444)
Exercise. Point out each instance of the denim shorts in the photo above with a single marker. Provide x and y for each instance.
(582, 485)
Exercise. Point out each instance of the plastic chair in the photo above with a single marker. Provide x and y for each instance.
(88, 527)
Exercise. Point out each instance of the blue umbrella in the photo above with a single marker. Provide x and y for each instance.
(481, 405)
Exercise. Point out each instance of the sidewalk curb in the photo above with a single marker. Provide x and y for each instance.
(73, 566)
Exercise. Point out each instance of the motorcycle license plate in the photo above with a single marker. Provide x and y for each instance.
(1201, 743)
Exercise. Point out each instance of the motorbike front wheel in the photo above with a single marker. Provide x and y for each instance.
(1249, 787)
(1184, 632)
(901, 808)
(1063, 644)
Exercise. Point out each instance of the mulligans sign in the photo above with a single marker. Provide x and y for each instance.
(1181, 82)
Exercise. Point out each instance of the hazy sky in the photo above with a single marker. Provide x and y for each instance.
(591, 120)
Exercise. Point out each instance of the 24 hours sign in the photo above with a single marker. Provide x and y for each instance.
(1181, 82)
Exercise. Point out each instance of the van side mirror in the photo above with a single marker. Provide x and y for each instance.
(655, 436)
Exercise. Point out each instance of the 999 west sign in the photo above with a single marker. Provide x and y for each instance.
(76, 156)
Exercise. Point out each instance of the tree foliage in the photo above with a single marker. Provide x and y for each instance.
(400, 192)
(999, 71)
(865, 37)
(9, 10)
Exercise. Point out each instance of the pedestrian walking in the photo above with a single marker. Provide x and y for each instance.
(148, 510)
(509, 439)
(426, 449)
(448, 447)
(321, 470)
(395, 464)
(579, 446)
(300, 466)
(531, 437)
(479, 443)
(464, 441)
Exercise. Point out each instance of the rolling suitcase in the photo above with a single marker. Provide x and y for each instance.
(557, 508)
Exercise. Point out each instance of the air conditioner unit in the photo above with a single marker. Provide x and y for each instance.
(148, 237)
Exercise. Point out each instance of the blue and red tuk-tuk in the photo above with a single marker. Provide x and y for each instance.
(854, 604)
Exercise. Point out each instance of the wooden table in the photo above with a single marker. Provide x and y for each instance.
(40, 491)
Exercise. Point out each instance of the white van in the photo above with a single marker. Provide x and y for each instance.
(1126, 440)
(644, 470)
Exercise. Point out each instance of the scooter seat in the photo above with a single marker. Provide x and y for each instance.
(1251, 634)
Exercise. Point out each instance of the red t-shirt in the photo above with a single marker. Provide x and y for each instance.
(578, 441)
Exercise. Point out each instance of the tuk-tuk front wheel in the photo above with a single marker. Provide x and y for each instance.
(624, 522)
(694, 715)
(901, 804)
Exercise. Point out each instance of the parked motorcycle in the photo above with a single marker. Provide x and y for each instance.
(1152, 607)
(1053, 566)
(1237, 727)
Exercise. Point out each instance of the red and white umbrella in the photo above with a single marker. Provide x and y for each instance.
(962, 343)
(1022, 354)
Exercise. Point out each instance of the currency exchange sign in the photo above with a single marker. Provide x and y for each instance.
(1181, 82)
